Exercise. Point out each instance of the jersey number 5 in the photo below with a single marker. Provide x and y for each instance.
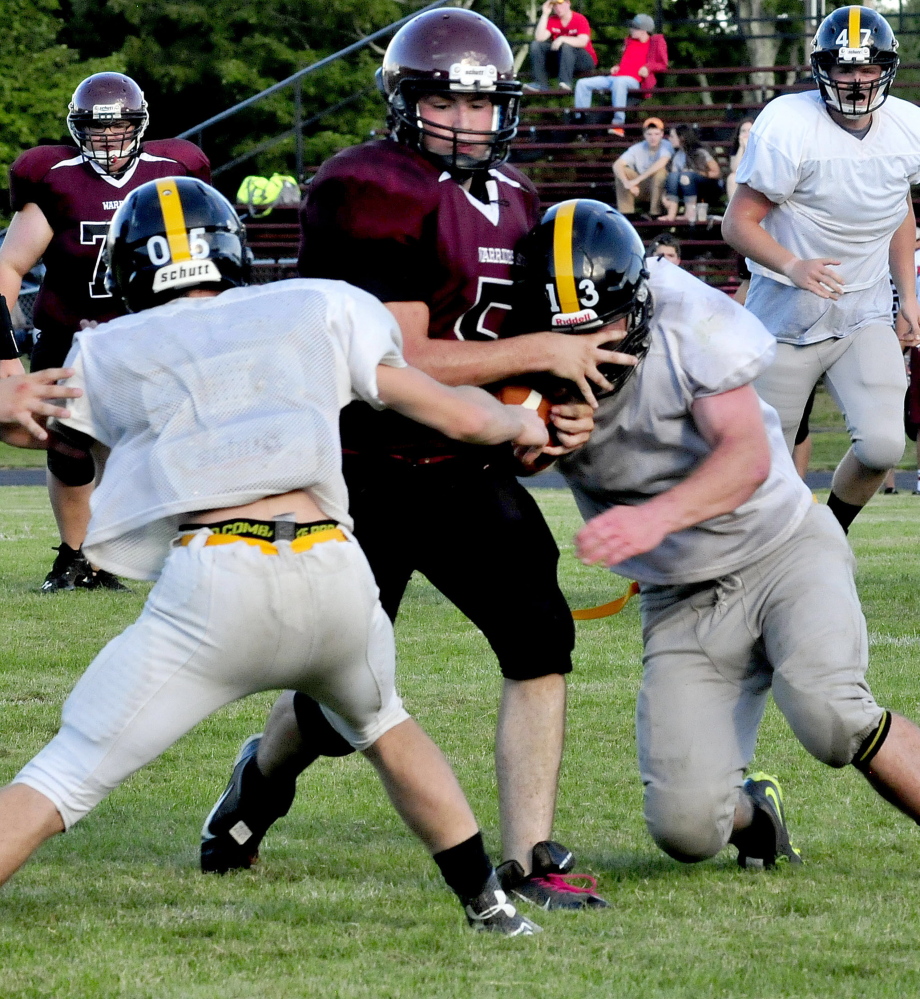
(90, 233)
(492, 293)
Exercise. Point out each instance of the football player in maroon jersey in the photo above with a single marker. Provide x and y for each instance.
(428, 223)
(64, 198)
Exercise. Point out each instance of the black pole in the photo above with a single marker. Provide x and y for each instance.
(298, 127)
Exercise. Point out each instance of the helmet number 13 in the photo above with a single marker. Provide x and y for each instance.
(588, 297)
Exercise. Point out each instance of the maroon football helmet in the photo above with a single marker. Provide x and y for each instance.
(107, 118)
(451, 51)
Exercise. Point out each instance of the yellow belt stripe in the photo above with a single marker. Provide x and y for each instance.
(563, 264)
(853, 27)
(174, 219)
(297, 545)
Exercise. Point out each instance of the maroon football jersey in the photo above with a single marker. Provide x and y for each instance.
(385, 218)
(78, 200)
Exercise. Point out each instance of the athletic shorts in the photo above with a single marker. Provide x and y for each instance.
(50, 349)
(223, 622)
(478, 536)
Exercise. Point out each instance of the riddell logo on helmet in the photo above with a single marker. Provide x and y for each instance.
(574, 318)
(184, 274)
(107, 110)
(482, 77)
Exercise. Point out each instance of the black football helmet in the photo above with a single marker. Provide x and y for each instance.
(581, 267)
(854, 36)
(451, 51)
(107, 118)
(172, 235)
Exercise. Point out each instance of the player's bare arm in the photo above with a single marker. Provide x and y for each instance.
(26, 240)
(465, 362)
(732, 425)
(463, 412)
(742, 230)
(659, 164)
(576, 41)
(25, 397)
(903, 273)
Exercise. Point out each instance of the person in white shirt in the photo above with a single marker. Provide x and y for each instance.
(216, 408)
(640, 172)
(822, 212)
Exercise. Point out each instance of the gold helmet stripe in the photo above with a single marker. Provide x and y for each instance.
(174, 219)
(853, 27)
(563, 264)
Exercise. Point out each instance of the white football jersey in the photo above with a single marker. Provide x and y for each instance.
(209, 403)
(645, 439)
(836, 196)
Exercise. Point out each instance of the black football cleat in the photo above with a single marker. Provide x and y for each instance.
(491, 912)
(70, 571)
(243, 814)
(101, 579)
(765, 843)
(550, 882)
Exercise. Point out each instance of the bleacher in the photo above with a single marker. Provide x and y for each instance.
(570, 155)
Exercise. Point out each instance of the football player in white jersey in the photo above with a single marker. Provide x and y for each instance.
(217, 409)
(822, 212)
(746, 585)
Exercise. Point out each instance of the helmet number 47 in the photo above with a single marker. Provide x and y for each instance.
(843, 39)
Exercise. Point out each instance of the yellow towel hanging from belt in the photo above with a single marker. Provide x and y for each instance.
(607, 610)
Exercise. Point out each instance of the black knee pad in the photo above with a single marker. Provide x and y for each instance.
(873, 743)
(318, 735)
(70, 470)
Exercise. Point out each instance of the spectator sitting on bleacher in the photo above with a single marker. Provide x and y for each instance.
(641, 171)
(666, 245)
(739, 144)
(562, 42)
(692, 165)
(644, 54)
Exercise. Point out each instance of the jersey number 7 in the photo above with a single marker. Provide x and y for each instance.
(90, 233)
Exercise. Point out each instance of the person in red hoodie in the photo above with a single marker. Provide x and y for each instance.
(644, 54)
(562, 41)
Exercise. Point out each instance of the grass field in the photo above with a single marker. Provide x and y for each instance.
(346, 904)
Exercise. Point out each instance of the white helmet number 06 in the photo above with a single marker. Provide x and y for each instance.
(158, 247)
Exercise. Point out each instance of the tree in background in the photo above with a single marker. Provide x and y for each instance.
(38, 75)
(195, 60)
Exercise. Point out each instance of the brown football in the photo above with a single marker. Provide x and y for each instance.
(529, 398)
